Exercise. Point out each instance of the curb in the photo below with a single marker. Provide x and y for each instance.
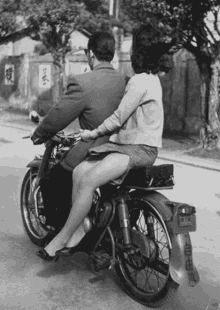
(189, 162)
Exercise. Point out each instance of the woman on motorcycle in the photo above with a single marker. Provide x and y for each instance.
(136, 129)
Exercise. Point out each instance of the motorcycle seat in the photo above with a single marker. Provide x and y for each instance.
(151, 177)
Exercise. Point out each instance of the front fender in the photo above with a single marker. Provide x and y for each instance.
(182, 269)
(35, 163)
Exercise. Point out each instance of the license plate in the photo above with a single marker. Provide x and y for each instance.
(185, 220)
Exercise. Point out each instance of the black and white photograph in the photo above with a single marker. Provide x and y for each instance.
(109, 154)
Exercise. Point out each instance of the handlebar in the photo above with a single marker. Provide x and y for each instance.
(62, 138)
(59, 138)
(66, 140)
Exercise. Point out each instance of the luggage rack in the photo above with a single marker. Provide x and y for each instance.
(153, 178)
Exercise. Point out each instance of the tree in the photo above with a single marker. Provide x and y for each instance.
(185, 20)
(54, 20)
(9, 22)
(199, 39)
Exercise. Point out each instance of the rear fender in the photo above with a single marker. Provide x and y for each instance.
(159, 204)
(182, 269)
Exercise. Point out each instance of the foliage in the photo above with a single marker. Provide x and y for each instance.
(180, 19)
(184, 22)
(9, 22)
(40, 49)
(53, 21)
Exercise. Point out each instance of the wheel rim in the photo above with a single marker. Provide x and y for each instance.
(150, 276)
(33, 224)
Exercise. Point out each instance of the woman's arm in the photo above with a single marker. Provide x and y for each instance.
(135, 91)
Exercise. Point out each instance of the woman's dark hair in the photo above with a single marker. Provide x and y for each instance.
(103, 45)
(149, 54)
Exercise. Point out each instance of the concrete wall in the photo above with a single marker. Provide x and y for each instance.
(27, 45)
(24, 45)
(181, 86)
(181, 94)
(7, 89)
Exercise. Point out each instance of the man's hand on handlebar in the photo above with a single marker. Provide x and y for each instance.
(35, 140)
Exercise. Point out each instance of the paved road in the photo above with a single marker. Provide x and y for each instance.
(29, 283)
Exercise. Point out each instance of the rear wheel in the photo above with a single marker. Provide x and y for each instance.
(145, 275)
(31, 221)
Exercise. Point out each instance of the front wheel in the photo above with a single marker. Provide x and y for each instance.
(30, 216)
(145, 276)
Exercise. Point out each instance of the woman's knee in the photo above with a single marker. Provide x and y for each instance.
(82, 177)
(77, 174)
(93, 176)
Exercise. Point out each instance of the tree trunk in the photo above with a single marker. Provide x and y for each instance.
(210, 131)
(205, 76)
(58, 75)
(213, 105)
(63, 74)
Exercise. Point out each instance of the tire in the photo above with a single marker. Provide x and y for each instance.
(147, 232)
(36, 232)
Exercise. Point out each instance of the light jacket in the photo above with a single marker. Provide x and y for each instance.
(139, 118)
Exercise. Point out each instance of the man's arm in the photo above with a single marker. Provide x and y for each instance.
(61, 114)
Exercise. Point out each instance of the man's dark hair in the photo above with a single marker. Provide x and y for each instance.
(103, 45)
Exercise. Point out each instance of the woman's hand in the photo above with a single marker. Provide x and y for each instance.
(88, 135)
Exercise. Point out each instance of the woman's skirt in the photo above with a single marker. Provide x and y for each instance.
(140, 155)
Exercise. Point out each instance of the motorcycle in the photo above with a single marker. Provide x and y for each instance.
(131, 228)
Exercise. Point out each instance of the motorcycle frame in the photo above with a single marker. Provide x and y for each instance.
(182, 269)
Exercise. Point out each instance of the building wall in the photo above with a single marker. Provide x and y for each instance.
(24, 45)
(27, 45)
(181, 86)
(7, 89)
(78, 40)
(6, 50)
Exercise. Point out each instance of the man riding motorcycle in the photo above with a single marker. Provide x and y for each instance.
(91, 97)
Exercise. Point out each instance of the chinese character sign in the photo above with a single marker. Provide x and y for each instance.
(9, 74)
(45, 76)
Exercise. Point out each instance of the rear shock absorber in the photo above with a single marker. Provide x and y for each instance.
(124, 221)
(150, 227)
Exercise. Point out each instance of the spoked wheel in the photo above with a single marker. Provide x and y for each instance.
(144, 275)
(31, 221)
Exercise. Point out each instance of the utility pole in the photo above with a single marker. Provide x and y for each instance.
(117, 9)
(111, 12)
(114, 8)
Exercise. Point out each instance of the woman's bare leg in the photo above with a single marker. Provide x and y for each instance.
(61, 239)
(87, 177)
